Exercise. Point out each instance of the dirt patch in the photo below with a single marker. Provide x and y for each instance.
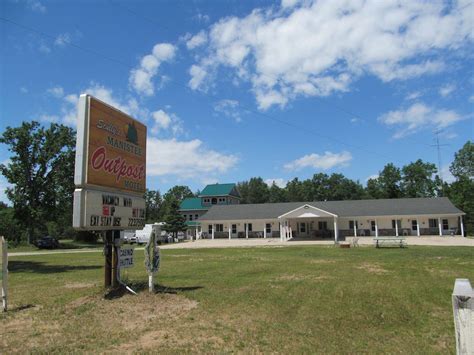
(321, 261)
(294, 277)
(373, 268)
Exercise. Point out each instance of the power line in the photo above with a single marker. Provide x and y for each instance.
(438, 147)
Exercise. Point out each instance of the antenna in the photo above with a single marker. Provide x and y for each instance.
(438, 147)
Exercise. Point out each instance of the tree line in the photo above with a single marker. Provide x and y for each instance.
(41, 174)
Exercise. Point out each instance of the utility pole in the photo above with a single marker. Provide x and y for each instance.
(438, 148)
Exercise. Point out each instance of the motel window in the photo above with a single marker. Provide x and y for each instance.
(234, 228)
(433, 223)
(219, 227)
(302, 227)
(190, 217)
(322, 225)
(268, 228)
(445, 224)
(206, 200)
(210, 229)
(372, 226)
(351, 224)
(214, 201)
(248, 227)
(414, 225)
(398, 221)
(196, 216)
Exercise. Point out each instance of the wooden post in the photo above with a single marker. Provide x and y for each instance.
(264, 229)
(355, 228)
(335, 231)
(213, 227)
(230, 231)
(376, 229)
(396, 227)
(463, 309)
(462, 226)
(108, 259)
(247, 230)
(4, 273)
(417, 227)
(115, 258)
(439, 227)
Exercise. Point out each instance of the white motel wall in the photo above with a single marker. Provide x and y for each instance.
(320, 220)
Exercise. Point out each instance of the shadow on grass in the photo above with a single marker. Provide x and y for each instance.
(21, 308)
(42, 268)
(143, 286)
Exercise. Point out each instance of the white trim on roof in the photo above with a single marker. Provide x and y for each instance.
(307, 206)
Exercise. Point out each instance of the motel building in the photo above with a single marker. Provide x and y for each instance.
(332, 219)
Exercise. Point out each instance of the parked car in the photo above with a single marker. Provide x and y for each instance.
(47, 242)
(129, 236)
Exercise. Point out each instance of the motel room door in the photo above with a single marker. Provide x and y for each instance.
(303, 229)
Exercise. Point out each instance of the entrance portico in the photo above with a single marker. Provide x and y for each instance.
(308, 221)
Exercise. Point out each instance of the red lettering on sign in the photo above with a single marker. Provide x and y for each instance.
(116, 166)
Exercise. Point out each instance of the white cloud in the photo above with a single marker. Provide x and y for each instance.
(43, 48)
(325, 161)
(413, 95)
(202, 17)
(24, 90)
(447, 90)
(319, 48)
(141, 77)
(36, 6)
(278, 182)
(62, 39)
(198, 74)
(471, 98)
(56, 91)
(197, 40)
(228, 108)
(49, 118)
(164, 121)
(419, 116)
(373, 177)
(185, 159)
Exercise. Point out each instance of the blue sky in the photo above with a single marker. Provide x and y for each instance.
(235, 89)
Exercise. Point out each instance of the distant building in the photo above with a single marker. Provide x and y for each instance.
(192, 208)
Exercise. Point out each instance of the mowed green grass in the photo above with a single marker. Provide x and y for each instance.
(290, 299)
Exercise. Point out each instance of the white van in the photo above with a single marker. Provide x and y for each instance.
(143, 236)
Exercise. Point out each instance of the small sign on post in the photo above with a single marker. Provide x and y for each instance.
(125, 258)
(4, 272)
(152, 257)
(463, 309)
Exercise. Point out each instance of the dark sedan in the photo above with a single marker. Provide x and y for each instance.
(47, 243)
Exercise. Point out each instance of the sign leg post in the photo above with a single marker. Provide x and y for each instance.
(115, 258)
(151, 283)
(108, 259)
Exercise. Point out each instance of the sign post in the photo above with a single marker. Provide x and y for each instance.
(110, 176)
(152, 257)
(4, 272)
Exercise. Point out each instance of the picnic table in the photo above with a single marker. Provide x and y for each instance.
(390, 241)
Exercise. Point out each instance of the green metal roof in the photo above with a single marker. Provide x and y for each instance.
(192, 203)
(219, 190)
(192, 223)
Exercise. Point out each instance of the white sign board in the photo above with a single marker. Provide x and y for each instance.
(110, 168)
(100, 210)
(125, 258)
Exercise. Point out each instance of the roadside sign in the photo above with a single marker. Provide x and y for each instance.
(110, 168)
(110, 149)
(125, 258)
(100, 210)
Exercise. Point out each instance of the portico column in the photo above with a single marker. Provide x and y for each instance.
(417, 227)
(213, 227)
(247, 230)
(264, 230)
(355, 228)
(376, 229)
(462, 226)
(396, 227)
(230, 231)
(281, 231)
(335, 230)
(439, 227)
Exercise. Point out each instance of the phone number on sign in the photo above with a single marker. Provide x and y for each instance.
(136, 222)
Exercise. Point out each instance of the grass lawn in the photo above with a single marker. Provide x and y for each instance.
(63, 244)
(290, 299)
